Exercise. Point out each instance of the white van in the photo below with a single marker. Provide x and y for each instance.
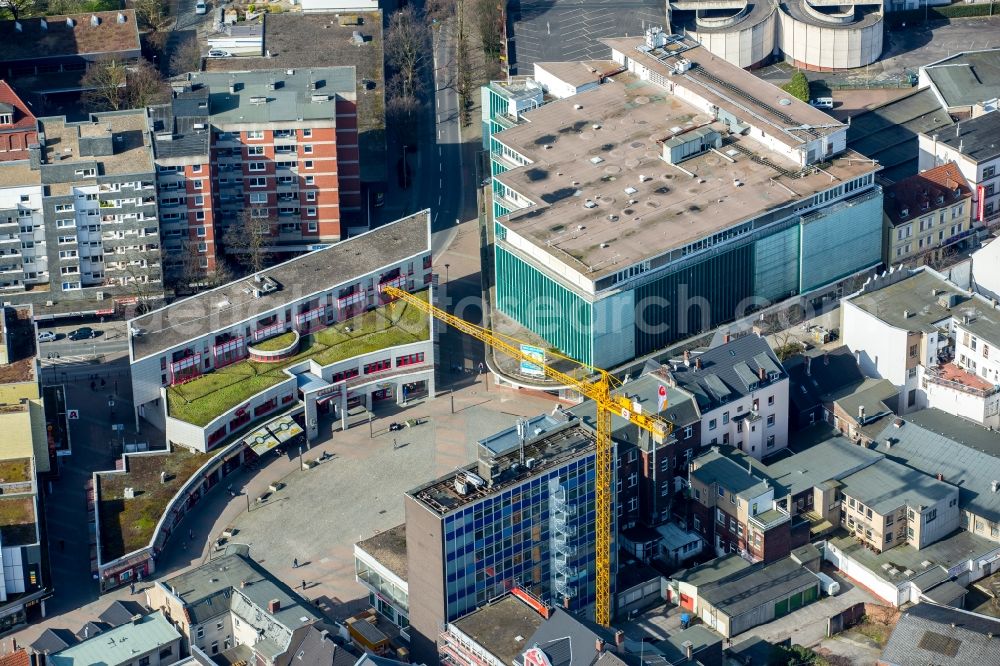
(829, 586)
(822, 102)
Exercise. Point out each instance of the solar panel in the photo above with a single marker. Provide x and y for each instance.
(935, 642)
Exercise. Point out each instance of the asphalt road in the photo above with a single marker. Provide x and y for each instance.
(442, 188)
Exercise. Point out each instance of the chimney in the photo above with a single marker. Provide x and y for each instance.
(697, 364)
(861, 412)
(940, 476)
(994, 486)
(687, 358)
(273, 606)
(857, 356)
(808, 366)
(620, 641)
(725, 338)
(599, 645)
(761, 373)
(566, 603)
(688, 649)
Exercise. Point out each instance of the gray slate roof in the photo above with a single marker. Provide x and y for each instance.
(932, 634)
(978, 138)
(757, 585)
(568, 640)
(963, 452)
(727, 371)
(173, 123)
(714, 467)
(813, 375)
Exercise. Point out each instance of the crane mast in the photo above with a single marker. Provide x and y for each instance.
(600, 391)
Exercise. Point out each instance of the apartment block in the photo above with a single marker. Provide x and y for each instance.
(935, 342)
(927, 214)
(664, 201)
(974, 145)
(742, 394)
(279, 146)
(18, 126)
(887, 504)
(79, 225)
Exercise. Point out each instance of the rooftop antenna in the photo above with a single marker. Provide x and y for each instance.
(522, 433)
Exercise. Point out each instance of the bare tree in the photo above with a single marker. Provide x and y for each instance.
(246, 241)
(438, 11)
(104, 85)
(145, 86)
(780, 325)
(151, 14)
(17, 8)
(402, 109)
(407, 47)
(490, 17)
(187, 57)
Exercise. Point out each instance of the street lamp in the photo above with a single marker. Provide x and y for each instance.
(447, 273)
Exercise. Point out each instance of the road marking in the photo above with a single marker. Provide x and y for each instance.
(439, 199)
(439, 150)
(439, 135)
(440, 166)
(439, 102)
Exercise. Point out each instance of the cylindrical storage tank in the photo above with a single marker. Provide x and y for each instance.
(746, 38)
(832, 39)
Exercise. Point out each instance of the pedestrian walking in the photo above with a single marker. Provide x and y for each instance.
(191, 534)
(295, 563)
(131, 588)
(303, 584)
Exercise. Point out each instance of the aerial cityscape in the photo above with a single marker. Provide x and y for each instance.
(499, 333)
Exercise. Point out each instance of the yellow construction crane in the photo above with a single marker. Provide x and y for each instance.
(598, 390)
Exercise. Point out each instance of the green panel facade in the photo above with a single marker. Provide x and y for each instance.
(841, 240)
(692, 300)
(543, 306)
(776, 265)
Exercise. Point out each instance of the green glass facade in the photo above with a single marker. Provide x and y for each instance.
(540, 304)
(840, 240)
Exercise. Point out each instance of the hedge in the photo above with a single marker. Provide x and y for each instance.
(942, 13)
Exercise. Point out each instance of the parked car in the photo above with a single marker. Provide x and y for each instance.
(219, 53)
(46, 336)
(200, 7)
(84, 333)
(822, 102)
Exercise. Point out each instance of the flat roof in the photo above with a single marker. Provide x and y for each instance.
(886, 485)
(290, 40)
(115, 31)
(573, 163)
(913, 303)
(579, 73)
(292, 98)
(976, 138)
(189, 319)
(828, 459)
(713, 467)
(550, 450)
(132, 152)
(904, 562)
(757, 585)
(712, 571)
(389, 549)
(966, 78)
(502, 628)
(120, 645)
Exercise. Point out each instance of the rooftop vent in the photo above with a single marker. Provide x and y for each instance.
(258, 100)
(589, 203)
(70, 23)
(578, 106)
(630, 189)
(596, 159)
(43, 25)
(94, 20)
(121, 18)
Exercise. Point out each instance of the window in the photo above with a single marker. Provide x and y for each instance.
(310, 212)
(196, 168)
(166, 652)
(688, 431)
(770, 400)
(200, 633)
(312, 227)
(258, 197)
(770, 441)
(200, 231)
(713, 424)
(220, 625)
(311, 195)
(198, 184)
(199, 200)
(307, 132)
(255, 151)
(257, 166)
(770, 421)
(254, 134)
(931, 516)
(199, 216)
(850, 502)
(258, 182)
(889, 520)
(310, 180)
(307, 149)
(989, 172)
(720, 516)
(725, 418)
(722, 491)
(143, 661)
(308, 164)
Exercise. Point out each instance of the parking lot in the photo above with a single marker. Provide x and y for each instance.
(558, 30)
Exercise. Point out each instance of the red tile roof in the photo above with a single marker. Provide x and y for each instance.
(23, 118)
(925, 192)
(19, 658)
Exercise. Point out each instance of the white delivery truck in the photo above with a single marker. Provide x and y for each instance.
(829, 586)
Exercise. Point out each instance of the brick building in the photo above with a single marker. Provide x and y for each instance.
(281, 145)
(18, 128)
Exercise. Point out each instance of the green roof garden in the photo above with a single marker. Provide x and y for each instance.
(201, 400)
(17, 520)
(276, 343)
(127, 524)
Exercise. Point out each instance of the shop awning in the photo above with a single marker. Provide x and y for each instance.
(284, 429)
(261, 441)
